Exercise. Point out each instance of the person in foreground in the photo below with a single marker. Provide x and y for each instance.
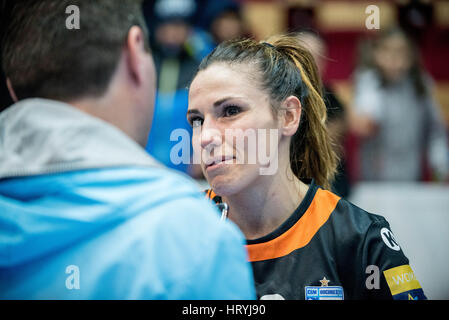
(304, 242)
(85, 213)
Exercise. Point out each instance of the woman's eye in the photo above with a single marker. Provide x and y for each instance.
(231, 111)
(196, 122)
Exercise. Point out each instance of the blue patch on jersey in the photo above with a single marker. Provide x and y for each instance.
(324, 293)
(415, 294)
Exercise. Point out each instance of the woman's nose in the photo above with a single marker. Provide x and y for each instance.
(211, 137)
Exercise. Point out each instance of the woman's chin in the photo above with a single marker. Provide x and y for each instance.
(232, 180)
(225, 186)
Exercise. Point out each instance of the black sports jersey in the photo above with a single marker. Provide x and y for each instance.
(330, 249)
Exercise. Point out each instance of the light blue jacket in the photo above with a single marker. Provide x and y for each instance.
(85, 213)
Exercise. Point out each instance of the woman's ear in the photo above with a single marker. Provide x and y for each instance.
(291, 115)
(11, 90)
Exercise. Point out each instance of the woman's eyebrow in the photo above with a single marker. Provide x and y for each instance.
(192, 111)
(221, 101)
(216, 104)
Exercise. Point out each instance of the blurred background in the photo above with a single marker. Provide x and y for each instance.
(386, 90)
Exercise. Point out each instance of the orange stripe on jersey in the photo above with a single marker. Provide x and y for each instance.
(210, 194)
(300, 234)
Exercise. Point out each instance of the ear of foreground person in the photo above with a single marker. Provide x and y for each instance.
(85, 213)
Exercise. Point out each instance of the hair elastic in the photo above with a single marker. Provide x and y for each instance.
(268, 45)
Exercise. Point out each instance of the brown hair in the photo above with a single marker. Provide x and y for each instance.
(43, 58)
(286, 68)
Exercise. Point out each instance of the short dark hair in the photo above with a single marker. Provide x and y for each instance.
(43, 58)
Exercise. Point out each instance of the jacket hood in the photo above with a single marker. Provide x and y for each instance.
(39, 136)
(65, 175)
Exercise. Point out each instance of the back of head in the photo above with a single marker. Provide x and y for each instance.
(285, 67)
(44, 58)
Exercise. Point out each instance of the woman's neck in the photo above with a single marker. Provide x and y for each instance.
(262, 208)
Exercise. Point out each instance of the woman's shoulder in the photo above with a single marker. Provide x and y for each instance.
(355, 220)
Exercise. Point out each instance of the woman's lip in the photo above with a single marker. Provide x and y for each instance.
(218, 164)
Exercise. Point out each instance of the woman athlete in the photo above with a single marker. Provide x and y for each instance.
(304, 242)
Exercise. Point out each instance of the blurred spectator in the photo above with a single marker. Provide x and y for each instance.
(215, 22)
(336, 115)
(395, 114)
(415, 17)
(170, 22)
(223, 20)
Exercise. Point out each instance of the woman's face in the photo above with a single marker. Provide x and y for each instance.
(393, 57)
(226, 106)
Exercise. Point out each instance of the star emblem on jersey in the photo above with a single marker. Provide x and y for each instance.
(324, 292)
(324, 282)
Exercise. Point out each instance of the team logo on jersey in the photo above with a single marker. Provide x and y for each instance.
(403, 283)
(324, 292)
(389, 240)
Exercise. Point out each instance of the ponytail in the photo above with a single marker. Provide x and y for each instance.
(311, 152)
